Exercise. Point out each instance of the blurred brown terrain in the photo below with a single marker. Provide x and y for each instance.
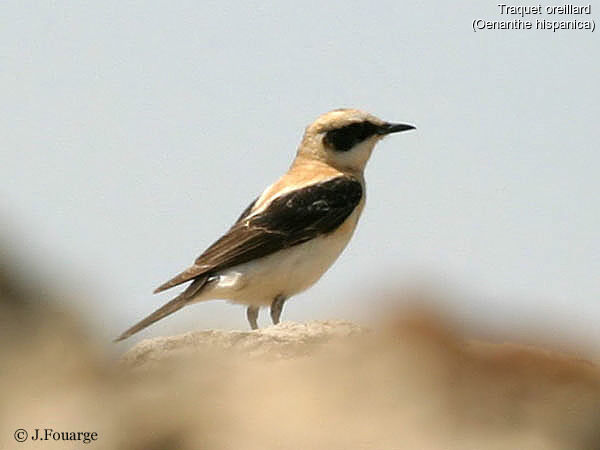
(413, 382)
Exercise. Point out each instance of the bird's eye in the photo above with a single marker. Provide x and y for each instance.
(343, 139)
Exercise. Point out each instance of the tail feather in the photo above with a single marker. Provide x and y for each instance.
(169, 308)
(186, 275)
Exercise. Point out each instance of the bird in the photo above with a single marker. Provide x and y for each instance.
(290, 235)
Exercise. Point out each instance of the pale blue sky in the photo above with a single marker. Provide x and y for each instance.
(133, 133)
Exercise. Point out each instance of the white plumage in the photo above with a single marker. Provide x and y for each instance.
(287, 272)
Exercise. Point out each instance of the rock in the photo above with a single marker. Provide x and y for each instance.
(286, 340)
(337, 385)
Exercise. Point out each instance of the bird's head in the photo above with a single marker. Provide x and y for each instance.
(345, 138)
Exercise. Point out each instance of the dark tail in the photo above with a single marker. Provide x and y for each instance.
(169, 308)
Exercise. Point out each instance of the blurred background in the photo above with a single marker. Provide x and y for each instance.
(134, 133)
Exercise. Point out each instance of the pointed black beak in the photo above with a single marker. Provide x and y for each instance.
(389, 128)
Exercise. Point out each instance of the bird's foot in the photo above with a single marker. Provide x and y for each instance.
(276, 308)
(252, 315)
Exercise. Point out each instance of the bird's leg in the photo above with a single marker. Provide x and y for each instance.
(276, 308)
(252, 315)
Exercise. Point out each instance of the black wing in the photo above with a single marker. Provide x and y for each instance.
(289, 220)
(245, 213)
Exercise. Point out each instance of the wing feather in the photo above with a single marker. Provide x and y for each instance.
(288, 220)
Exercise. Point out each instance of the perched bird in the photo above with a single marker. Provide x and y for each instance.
(294, 231)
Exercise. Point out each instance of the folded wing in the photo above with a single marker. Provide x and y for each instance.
(290, 219)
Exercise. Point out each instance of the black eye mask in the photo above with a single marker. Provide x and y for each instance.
(343, 139)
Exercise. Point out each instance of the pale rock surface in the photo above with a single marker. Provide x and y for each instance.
(410, 384)
(286, 340)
